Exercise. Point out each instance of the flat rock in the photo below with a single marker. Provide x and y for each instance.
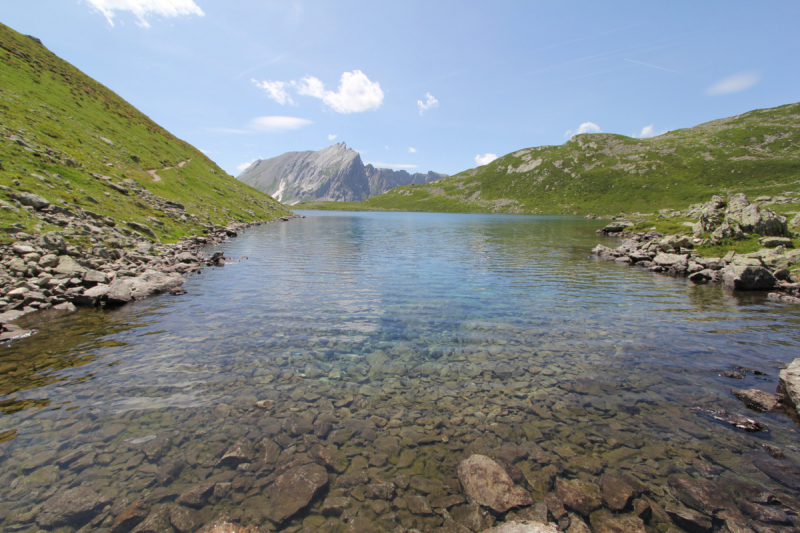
(293, 490)
(487, 483)
(523, 526)
(789, 381)
(758, 400)
(419, 505)
(580, 496)
(671, 260)
(33, 200)
(71, 507)
(67, 266)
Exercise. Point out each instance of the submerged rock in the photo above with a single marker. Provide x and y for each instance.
(524, 526)
(487, 483)
(581, 496)
(72, 507)
(293, 490)
(758, 400)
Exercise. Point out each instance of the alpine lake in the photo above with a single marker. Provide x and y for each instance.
(379, 350)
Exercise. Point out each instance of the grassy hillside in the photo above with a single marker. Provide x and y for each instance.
(58, 127)
(757, 153)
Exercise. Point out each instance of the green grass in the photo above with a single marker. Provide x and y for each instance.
(64, 117)
(744, 246)
(667, 227)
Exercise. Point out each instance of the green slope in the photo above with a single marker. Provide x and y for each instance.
(58, 126)
(757, 153)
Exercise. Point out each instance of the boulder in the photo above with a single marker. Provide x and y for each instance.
(699, 494)
(33, 200)
(20, 248)
(93, 277)
(240, 452)
(186, 257)
(752, 219)
(523, 526)
(54, 242)
(293, 490)
(789, 383)
(156, 522)
(143, 229)
(487, 483)
(617, 493)
(197, 495)
(130, 517)
(615, 227)
(758, 400)
(48, 261)
(728, 230)
(688, 519)
(91, 297)
(748, 277)
(72, 507)
(184, 520)
(151, 282)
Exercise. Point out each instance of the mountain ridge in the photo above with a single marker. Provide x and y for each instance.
(335, 173)
(757, 152)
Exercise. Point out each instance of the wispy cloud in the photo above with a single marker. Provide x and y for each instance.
(143, 8)
(586, 127)
(429, 102)
(651, 66)
(331, 136)
(243, 166)
(649, 131)
(278, 123)
(412, 150)
(735, 83)
(378, 164)
(485, 159)
(267, 124)
(276, 90)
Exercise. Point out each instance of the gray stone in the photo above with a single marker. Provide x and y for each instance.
(48, 261)
(93, 277)
(54, 242)
(72, 507)
(747, 278)
(774, 242)
(487, 483)
(151, 282)
(293, 490)
(67, 266)
(671, 260)
(142, 228)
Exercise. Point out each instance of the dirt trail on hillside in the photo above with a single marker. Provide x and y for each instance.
(154, 172)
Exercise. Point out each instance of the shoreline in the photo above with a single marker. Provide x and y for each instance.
(41, 272)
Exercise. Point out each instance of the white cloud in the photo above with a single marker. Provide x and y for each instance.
(412, 150)
(243, 166)
(143, 8)
(276, 90)
(649, 131)
(429, 102)
(735, 84)
(485, 159)
(377, 164)
(278, 123)
(356, 92)
(331, 136)
(586, 127)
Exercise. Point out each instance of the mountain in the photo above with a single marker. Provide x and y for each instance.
(74, 142)
(334, 174)
(757, 153)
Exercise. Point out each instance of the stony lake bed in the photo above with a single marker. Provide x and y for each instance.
(337, 378)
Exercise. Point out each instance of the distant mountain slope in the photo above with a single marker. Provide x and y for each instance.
(335, 173)
(757, 153)
(76, 143)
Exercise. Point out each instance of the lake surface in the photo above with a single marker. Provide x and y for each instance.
(388, 347)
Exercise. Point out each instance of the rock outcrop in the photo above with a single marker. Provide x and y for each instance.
(335, 173)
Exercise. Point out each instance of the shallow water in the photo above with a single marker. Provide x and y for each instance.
(400, 343)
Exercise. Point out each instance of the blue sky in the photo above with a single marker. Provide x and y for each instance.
(428, 85)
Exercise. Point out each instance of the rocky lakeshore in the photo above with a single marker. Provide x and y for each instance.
(117, 264)
(722, 220)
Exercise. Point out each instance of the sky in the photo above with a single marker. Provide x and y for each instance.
(422, 85)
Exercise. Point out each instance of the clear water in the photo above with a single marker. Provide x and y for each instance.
(423, 338)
